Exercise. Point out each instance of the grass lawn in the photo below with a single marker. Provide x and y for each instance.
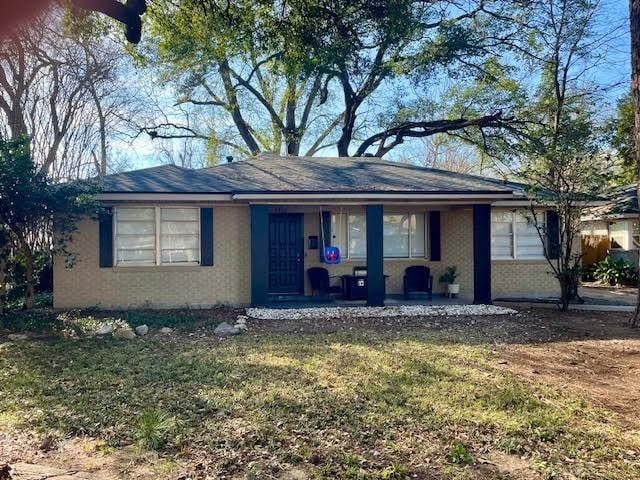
(364, 399)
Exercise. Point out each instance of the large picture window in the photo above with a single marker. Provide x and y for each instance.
(514, 236)
(403, 235)
(157, 235)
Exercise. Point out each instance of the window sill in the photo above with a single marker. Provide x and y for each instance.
(156, 268)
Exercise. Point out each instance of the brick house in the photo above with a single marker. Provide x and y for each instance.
(246, 232)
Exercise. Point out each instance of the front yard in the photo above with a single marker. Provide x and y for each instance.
(532, 396)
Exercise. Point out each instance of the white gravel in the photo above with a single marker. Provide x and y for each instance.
(368, 312)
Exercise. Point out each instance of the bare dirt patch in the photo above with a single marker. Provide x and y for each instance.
(599, 359)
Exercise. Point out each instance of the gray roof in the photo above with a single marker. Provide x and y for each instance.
(272, 174)
(623, 201)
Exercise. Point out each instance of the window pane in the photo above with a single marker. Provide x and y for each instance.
(184, 214)
(357, 236)
(395, 235)
(136, 242)
(173, 242)
(501, 234)
(502, 246)
(502, 228)
(180, 256)
(136, 256)
(417, 235)
(338, 233)
(501, 216)
(136, 228)
(618, 234)
(179, 235)
(135, 214)
(135, 235)
(527, 228)
(179, 228)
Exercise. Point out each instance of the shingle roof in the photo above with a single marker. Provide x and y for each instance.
(272, 174)
(623, 202)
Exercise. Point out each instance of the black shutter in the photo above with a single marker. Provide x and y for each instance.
(553, 235)
(434, 236)
(105, 237)
(206, 237)
(324, 230)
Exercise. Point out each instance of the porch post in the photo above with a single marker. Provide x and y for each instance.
(259, 255)
(375, 264)
(482, 254)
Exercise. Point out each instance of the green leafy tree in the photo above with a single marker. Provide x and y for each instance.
(31, 206)
(555, 149)
(358, 76)
(622, 132)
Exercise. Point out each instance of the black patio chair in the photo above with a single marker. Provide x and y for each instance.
(418, 279)
(319, 280)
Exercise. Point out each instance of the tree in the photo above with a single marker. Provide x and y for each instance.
(298, 77)
(634, 21)
(61, 85)
(448, 153)
(556, 150)
(31, 206)
(622, 131)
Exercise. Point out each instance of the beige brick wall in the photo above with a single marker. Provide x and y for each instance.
(227, 282)
(457, 249)
(522, 278)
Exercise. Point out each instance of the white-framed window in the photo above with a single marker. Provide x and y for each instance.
(618, 235)
(624, 235)
(514, 236)
(404, 235)
(157, 236)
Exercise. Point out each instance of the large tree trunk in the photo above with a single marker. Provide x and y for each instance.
(634, 20)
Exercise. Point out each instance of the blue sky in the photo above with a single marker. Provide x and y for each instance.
(612, 74)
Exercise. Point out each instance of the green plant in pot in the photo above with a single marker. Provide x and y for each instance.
(449, 278)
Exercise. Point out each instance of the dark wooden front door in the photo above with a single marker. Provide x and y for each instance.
(286, 254)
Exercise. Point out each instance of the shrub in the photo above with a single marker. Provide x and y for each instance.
(450, 275)
(154, 429)
(459, 453)
(615, 272)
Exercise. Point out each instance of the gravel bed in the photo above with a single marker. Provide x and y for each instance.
(368, 312)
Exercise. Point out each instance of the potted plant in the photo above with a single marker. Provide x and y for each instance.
(449, 277)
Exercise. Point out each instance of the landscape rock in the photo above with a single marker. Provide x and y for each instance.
(241, 326)
(142, 330)
(17, 336)
(225, 330)
(105, 329)
(124, 334)
(166, 330)
(241, 319)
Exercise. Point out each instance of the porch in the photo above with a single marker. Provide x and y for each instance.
(287, 240)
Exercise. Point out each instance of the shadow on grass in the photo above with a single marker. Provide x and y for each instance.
(376, 397)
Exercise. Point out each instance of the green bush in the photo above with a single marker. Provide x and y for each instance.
(615, 272)
(459, 453)
(154, 429)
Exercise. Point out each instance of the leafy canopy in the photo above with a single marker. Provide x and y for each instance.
(360, 76)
